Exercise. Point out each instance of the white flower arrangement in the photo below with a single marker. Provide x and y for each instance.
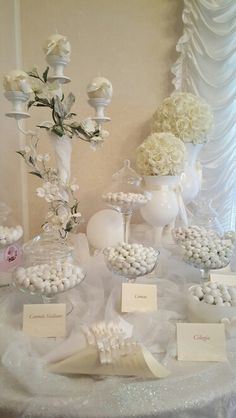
(63, 215)
(161, 154)
(185, 115)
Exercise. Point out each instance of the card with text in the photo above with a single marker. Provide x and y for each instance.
(201, 342)
(228, 279)
(138, 297)
(45, 320)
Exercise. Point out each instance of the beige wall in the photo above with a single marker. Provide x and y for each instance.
(131, 42)
(13, 179)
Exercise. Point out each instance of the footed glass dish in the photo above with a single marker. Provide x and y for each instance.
(131, 260)
(126, 195)
(203, 249)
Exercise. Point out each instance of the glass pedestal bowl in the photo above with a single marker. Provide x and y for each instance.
(131, 261)
(48, 268)
(205, 271)
(125, 194)
(203, 249)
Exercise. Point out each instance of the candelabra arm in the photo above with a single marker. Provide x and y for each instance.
(31, 133)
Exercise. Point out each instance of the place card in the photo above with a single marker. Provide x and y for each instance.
(45, 320)
(228, 279)
(201, 342)
(138, 297)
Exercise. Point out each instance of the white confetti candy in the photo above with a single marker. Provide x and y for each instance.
(139, 259)
(208, 299)
(218, 299)
(226, 297)
(52, 280)
(198, 292)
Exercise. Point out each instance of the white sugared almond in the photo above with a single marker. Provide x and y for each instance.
(203, 248)
(49, 278)
(215, 294)
(121, 198)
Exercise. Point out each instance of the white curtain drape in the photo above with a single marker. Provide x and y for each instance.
(206, 66)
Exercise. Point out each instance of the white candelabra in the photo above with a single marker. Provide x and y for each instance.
(18, 88)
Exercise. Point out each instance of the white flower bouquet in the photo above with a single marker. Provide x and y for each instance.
(63, 215)
(161, 154)
(185, 115)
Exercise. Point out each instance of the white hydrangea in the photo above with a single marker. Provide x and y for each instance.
(185, 115)
(161, 154)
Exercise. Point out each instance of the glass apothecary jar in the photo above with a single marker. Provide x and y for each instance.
(125, 194)
(10, 244)
(204, 215)
(48, 267)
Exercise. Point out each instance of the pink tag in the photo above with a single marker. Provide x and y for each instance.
(10, 257)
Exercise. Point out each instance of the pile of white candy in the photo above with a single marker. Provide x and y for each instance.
(121, 198)
(203, 248)
(49, 278)
(8, 235)
(215, 294)
(131, 259)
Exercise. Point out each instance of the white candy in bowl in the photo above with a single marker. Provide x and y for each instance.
(211, 302)
(131, 260)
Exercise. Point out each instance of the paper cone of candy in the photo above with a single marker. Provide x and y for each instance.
(110, 352)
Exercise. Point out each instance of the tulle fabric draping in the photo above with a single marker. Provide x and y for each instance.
(192, 390)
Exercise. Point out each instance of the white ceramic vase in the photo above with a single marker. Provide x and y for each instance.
(163, 207)
(191, 178)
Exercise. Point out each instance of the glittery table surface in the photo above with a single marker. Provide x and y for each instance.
(203, 390)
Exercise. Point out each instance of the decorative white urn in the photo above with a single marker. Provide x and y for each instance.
(191, 178)
(163, 207)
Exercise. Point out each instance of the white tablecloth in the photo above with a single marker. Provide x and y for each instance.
(206, 390)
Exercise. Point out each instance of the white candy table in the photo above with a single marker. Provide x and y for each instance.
(193, 390)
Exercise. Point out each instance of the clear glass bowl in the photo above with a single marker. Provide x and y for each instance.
(131, 260)
(203, 249)
(48, 268)
(125, 194)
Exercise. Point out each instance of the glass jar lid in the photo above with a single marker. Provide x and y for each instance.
(127, 175)
(46, 247)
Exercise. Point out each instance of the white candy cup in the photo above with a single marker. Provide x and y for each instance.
(198, 311)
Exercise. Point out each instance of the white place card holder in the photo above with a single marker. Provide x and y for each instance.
(228, 279)
(201, 342)
(45, 320)
(138, 297)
